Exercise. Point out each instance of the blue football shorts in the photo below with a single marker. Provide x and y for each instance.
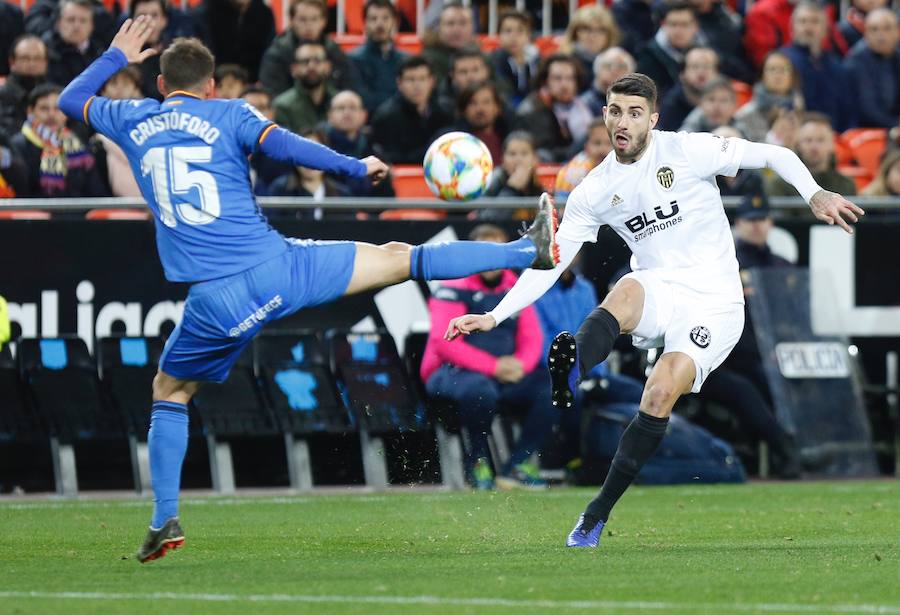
(222, 316)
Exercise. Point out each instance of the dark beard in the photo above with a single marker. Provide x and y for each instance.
(311, 83)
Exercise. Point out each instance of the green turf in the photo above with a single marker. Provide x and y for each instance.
(682, 549)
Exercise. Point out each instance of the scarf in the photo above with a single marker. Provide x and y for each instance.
(766, 100)
(61, 151)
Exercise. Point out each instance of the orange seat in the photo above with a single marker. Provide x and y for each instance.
(118, 214)
(412, 214)
(743, 92)
(488, 43)
(409, 182)
(547, 174)
(348, 41)
(843, 155)
(861, 176)
(547, 44)
(409, 42)
(24, 214)
(868, 146)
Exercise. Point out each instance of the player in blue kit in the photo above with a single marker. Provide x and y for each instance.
(189, 154)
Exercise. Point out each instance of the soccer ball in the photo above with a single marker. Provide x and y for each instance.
(457, 167)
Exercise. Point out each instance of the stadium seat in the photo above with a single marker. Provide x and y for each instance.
(742, 91)
(861, 176)
(409, 182)
(24, 214)
(412, 214)
(229, 410)
(24, 445)
(547, 174)
(118, 214)
(868, 146)
(547, 45)
(61, 378)
(377, 390)
(296, 378)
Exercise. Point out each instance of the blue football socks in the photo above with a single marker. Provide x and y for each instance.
(167, 442)
(451, 260)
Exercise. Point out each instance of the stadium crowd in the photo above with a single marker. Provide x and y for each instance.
(790, 73)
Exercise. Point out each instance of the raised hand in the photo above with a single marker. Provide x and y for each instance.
(375, 169)
(832, 208)
(470, 323)
(131, 38)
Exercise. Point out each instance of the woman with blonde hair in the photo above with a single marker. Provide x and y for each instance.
(592, 30)
(887, 181)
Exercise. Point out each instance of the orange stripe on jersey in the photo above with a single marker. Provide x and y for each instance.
(266, 132)
(183, 93)
(84, 110)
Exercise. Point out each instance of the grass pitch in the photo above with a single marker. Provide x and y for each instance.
(792, 548)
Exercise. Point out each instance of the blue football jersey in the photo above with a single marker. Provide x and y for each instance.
(190, 159)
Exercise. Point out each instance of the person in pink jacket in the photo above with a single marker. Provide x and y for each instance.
(483, 371)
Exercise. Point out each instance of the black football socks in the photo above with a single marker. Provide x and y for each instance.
(638, 443)
(595, 338)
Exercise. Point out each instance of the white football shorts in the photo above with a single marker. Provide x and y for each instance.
(704, 327)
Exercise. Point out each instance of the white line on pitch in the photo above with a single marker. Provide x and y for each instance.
(442, 601)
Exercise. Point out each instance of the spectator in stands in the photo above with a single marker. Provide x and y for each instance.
(59, 164)
(306, 182)
(346, 133)
(231, 80)
(308, 20)
(70, 48)
(767, 27)
(515, 62)
(662, 57)
(596, 148)
(849, 31)
(403, 126)
(874, 65)
(747, 182)
(635, 18)
(155, 11)
(784, 127)
(740, 383)
(815, 147)
(826, 86)
(701, 65)
(376, 61)
(28, 69)
(13, 174)
(887, 182)
(718, 102)
(554, 114)
(480, 111)
(12, 26)
(592, 30)
(721, 28)
(467, 68)
(239, 32)
(609, 66)
(263, 170)
(517, 176)
(43, 15)
(455, 32)
(479, 372)
(779, 88)
(112, 164)
(306, 104)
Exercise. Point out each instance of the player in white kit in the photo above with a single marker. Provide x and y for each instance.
(658, 191)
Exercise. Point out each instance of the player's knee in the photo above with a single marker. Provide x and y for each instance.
(659, 398)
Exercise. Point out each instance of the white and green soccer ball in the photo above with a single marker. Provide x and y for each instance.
(458, 166)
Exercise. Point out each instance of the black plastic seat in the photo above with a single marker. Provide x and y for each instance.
(17, 419)
(296, 378)
(127, 368)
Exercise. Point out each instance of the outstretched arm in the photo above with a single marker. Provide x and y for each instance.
(529, 288)
(827, 206)
(284, 145)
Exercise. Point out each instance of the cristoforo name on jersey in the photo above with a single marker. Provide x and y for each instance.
(174, 120)
(644, 226)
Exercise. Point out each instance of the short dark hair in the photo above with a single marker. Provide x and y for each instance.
(25, 37)
(717, 83)
(85, 4)
(465, 97)
(700, 48)
(816, 117)
(636, 84)
(486, 230)
(453, 4)
(315, 131)
(544, 68)
(42, 91)
(308, 43)
(380, 4)
(411, 63)
(186, 63)
(255, 89)
(235, 71)
(520, 16)
(319, 4)
(520, 135)
(672, 7)
(135, 3)
(131, 71)
(470, 51)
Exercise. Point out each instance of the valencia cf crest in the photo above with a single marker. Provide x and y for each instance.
(701, 336)
(666, 177)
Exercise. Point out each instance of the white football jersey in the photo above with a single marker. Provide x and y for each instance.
(667, 208)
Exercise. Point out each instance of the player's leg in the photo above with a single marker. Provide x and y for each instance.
(571, 357)
(672, 376)
(378, 266)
